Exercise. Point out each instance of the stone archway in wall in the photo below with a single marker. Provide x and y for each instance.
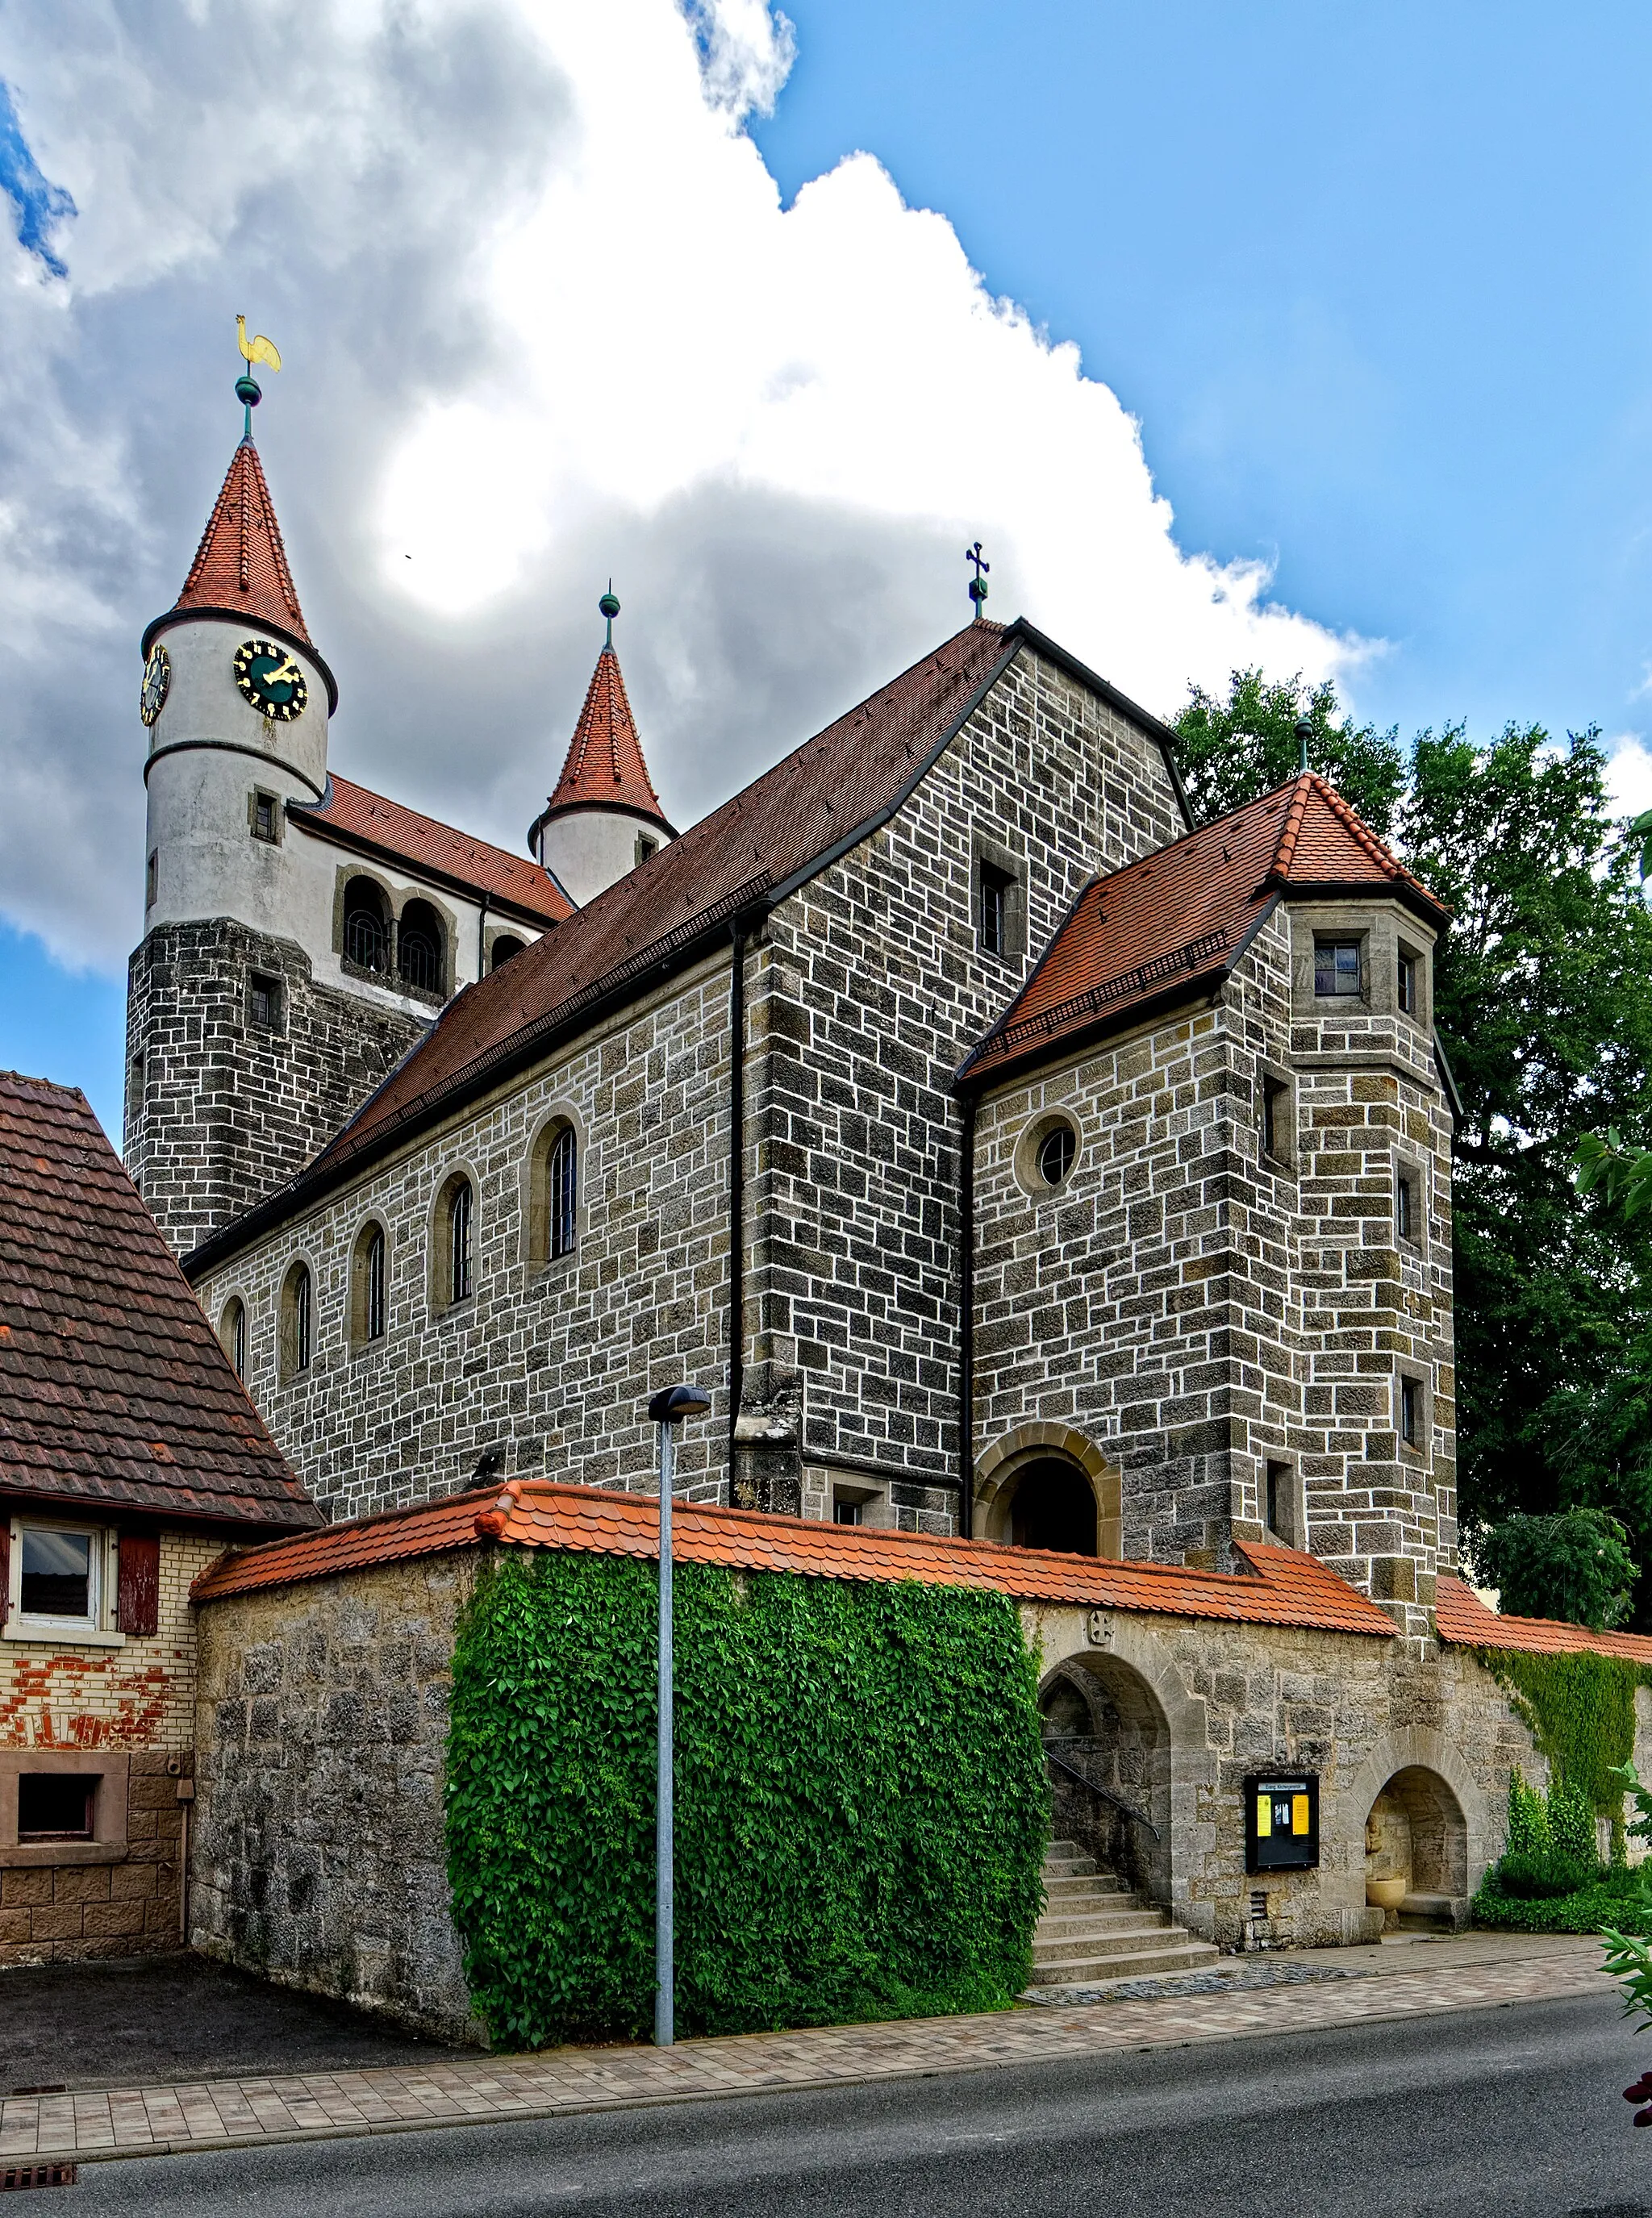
(1048, 1486)
(1414, 1810)
(1107, 1743)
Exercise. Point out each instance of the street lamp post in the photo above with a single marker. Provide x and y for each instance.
(668, 1409)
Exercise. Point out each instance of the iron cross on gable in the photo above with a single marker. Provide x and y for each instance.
(978, 587)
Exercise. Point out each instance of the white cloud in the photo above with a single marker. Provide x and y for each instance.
(544, 319)
(1629, 774)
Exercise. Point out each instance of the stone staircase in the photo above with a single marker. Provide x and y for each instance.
(1094, 1929)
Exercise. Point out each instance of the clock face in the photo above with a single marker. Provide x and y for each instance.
(270, 679)
(156, 677)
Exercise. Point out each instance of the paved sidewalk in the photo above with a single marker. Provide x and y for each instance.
(1475, 1974)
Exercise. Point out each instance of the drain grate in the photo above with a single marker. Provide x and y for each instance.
(37, 2175)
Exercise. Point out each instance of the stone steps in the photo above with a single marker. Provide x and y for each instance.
(1094, 1929)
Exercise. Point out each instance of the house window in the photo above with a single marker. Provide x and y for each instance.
(561, 1192)
(1407, 1211)
(58, 1579)
(56, 1805)
(994, 898)
(645, 846)
(1056, 1151)
(1336, 968)
(505, 947)
(265, 1000)
(420, 947)
(266, 818)
(297, 1302)
(845, 1513)
(1411, 1412)
(1408, 987)
(231, 1331)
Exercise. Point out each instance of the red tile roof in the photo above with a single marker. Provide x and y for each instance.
(1171, 926)
(1283, 1587)
(113, 1389)
(368, 822)
(1465, 1621)
(605, 767)
(241, 564)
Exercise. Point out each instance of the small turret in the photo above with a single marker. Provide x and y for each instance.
(605, 817)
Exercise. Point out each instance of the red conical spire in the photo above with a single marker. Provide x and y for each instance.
(240, 565)
(605, 767)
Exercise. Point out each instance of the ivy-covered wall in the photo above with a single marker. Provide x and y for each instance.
(862, 1803)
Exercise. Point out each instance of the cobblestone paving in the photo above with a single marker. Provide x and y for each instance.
(229, 2113)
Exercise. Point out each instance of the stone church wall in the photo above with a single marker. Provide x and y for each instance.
(222, 1109)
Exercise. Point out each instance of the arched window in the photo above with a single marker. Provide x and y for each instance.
(505, 947)
(367, 927)
(563, 1193)
(454, 1274)
(296, 1304)
(367, 1285)
(420, 947)
(232, 1330)
(1053, 1507)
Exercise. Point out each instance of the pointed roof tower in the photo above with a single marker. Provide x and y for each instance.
(603, 776)
(240, 568)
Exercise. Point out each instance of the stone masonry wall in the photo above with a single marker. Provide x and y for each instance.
(319, 1859)
(1196, 1309)
(220, 1111)
(863, 996)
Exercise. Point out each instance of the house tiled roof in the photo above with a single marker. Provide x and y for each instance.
(368, 822)
(1172, 926)
(1464, 1620)
(241, 563)
(605, 767)
(113, 1391)
(1282, 1587)
(824, 798)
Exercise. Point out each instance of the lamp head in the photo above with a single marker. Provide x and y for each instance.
(672, 1403)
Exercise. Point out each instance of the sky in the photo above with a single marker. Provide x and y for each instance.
(1316, 338)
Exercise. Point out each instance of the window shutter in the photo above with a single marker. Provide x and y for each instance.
(137, 1593)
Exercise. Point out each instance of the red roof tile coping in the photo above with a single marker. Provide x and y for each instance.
(241, 562)
(355, 817)
(1465, 1621)
(1170, 927)
(115, 1393)
(605, 767)
(1282, 1588)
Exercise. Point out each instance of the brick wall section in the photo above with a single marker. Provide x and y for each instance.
(319, 1855)
(1195, 1309)
(862, 999)
(226, 1111)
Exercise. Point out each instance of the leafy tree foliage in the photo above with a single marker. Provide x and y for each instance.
(1233, 750)
(1541, 999)
(1575, 1564)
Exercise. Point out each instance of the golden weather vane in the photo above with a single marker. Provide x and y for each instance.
(257, 350)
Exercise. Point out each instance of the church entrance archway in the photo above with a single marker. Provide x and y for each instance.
(1416, 1831)
(1107, 1745)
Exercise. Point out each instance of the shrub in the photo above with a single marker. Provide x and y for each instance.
(862, 1803)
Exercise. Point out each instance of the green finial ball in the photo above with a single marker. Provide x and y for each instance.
(248, 392)
(608, 605)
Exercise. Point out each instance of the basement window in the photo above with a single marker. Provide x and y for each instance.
(56, 1805)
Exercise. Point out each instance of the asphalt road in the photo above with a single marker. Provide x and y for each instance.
(1503, 2113)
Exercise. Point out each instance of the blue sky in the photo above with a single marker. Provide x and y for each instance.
(1373, 282)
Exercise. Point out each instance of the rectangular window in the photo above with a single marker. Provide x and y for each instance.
(56, 1805)
(1406, 986)
(59, 1577)
(265, 1001)
(1336, 968)
(1277, 1138)
(266, 818)
(845, 1513)
(645, 846)
(151, 880)
(1411, 1412)
(1278, 1477)
(995, 909)
(1407, 1214)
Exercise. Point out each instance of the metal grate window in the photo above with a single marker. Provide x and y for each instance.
(365, 940)
(563, 1193)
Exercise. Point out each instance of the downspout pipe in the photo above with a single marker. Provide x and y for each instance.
(736, 1185)
(967, 1317)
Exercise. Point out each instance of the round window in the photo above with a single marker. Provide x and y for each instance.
(1055, 1153)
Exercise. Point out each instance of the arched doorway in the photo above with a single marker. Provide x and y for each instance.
(1053, 1506)
(1107, 1744)
(1049, 1486)
(1416, 1831)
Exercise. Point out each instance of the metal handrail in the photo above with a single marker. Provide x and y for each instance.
(1106, 1792)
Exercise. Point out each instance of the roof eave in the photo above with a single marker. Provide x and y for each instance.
(977, 1078)
(553, 809)
(1400, 889)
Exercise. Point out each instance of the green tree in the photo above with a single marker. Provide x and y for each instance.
(1575, 1564)
(1232, 751)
